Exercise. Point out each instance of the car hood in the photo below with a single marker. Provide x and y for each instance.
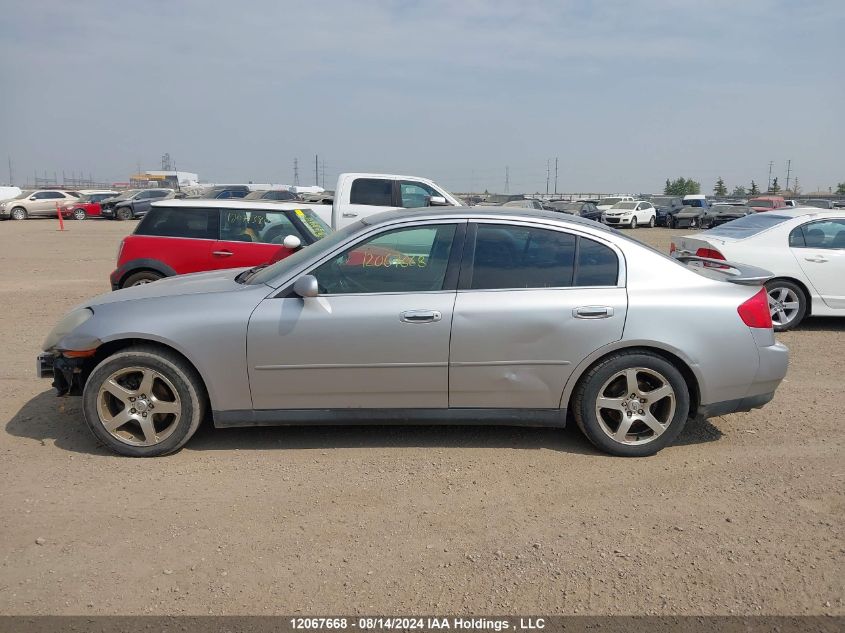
(198, 283)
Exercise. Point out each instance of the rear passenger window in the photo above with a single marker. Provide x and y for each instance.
(372, 191)
(522, 257)
(180, 222)
(597, 265)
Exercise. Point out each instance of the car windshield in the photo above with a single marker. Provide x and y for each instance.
(22, 195)
(819, 204)
(768, 204)
(86, 197)
(313, 223)
(610, 201)
(624, 205)
(567, 206)
(126, 194)
(659, 202)
(696, 202)
(749, 225)
(268, 274)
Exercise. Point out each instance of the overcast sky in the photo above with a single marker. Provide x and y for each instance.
(625, 93)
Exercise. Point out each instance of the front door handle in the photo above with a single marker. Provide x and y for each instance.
(222, 253)
(816, 259)
(592, 312)
(420, 316)
(349, 214)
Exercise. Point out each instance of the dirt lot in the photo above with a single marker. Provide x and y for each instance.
(744, 515)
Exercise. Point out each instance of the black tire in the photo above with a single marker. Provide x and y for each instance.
(187, 383)
(775, 285)
(634, 222)
(670, 221)
(123, 213)
(693, 223)
(587, 392)
(651, 222)
(141, 277)
(79, 214)
(18, 213)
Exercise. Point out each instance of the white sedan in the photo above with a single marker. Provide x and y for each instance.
(804, 248)
(634, 213)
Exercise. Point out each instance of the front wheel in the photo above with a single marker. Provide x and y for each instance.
(787, 304)
(634, 222)
(79, 214)
(632, 404)
(143, 402)
(651, 222)
(18, 213)
(670, 222)
(123, 213)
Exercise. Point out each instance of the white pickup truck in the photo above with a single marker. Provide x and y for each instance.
(358, 195)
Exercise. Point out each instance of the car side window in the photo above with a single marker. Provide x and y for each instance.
(824, 234)
(266, 227)
(416, 194)
(597, 264)
(180, 222)
(158, 194)
(144, 195)
(412, 259)
(372, 191)
(507, 256)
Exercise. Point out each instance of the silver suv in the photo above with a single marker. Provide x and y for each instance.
(33, 204)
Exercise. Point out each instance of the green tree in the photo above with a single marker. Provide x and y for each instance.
(775, 188)
(682, 187)
(840, 189)
(720, 189)
(754, 190)
(738, 192)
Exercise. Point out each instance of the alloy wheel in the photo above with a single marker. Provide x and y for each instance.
(138, 406)
(635, 406)
(79, 214)
(783, 305)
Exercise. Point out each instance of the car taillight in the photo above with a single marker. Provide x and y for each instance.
(672, 248)
(755, 311)
(710, 253)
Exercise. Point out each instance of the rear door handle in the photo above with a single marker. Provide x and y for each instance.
(420, 316)
(817, 259)
(222, 253)
(592, 312)
(349, 214)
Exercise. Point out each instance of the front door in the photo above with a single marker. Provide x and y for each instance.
(532, 303)
(819, 247)
(377, 336)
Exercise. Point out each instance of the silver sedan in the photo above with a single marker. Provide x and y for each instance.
(459, 315)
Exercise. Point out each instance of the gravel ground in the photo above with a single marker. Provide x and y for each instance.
(744, 515)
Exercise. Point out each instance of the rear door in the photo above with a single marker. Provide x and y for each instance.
(819, 248)
(364, 195)
(532, 303)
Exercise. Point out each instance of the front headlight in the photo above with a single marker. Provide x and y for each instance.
(68, 324)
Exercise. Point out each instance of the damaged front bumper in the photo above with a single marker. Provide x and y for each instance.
(65, 372)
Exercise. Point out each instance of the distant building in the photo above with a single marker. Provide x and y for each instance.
(164, 179)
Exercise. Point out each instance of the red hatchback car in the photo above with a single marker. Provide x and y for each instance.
(188, 236)
(87, 205)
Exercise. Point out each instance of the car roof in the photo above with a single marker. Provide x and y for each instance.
(485, 213)
(233, 203)
(797, 212)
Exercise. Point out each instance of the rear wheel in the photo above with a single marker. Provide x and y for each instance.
(143, 402)
(632, 404)
(19, 213)
(141, 278)
(787, 304)
(79, 214)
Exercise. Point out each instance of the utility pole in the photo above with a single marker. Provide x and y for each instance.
(323, 174)
(769, 186)
(295, 171)
(507, 179)
(555, 175)
(548, 169)
(316, 169)
(11, 180)
(788, 169)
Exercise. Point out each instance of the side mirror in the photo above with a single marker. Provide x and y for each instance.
(292, 242)
(32, 197)
(306, 286)
(437, 201)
